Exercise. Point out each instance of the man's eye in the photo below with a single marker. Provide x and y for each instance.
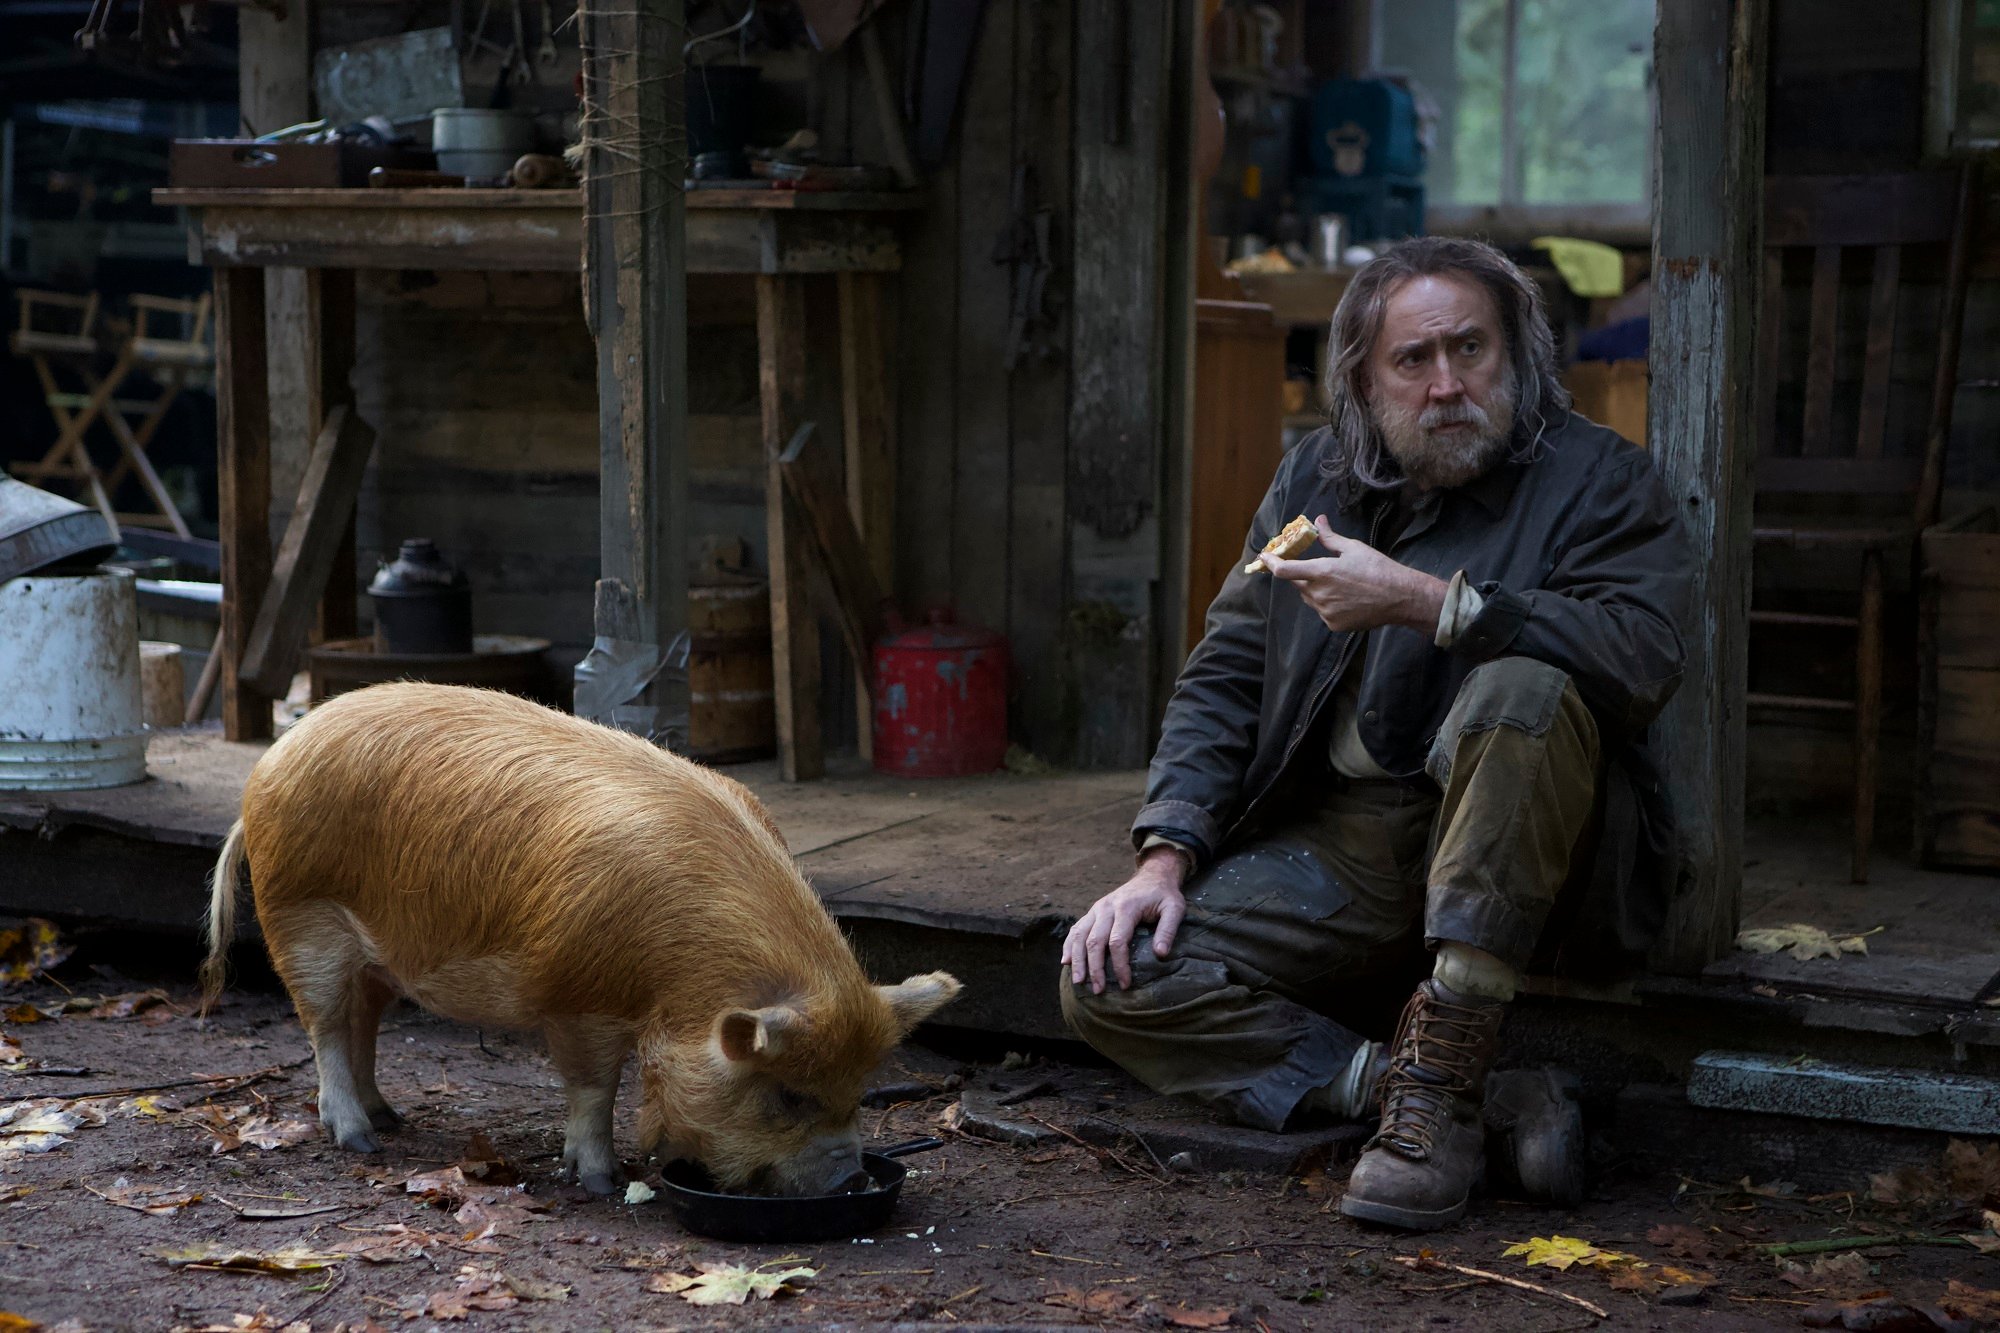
(1470, 347)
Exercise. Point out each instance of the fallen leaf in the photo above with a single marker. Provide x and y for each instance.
(32, 946)
(227, 1258)
(534, 1289)
(158, 1200)
(397, 1242)
(1649, 1278)
(1968, 1173)
(1846, 1274)
(727, 1284)
(131, 1005)
(1802, 941)
(1966, 1301)
(152, 1106)
(10, 1193)
(271, 1133)
(23, 1014)
(1562, 1252)
(16, 1323)
(261, 1322)
(1103, 1301)
(1211, 1318)
(482, 1162)
(1682, 1241)
(11, 1052)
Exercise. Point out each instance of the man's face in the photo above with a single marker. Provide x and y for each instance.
(1441, 387)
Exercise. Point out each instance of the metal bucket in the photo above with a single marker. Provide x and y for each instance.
(71, 711)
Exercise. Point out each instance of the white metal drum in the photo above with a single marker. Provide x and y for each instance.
(71, 714)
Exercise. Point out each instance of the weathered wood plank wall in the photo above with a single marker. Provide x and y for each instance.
(1027, 499)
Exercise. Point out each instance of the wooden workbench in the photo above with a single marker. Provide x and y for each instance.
(784, 239)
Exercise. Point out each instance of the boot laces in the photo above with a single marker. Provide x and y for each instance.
(1437, 1060)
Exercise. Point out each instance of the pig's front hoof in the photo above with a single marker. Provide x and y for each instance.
(601, 1183)
(386, 1118)
(357, 1140)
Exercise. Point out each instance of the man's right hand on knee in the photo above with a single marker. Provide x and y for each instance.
(1151, 896)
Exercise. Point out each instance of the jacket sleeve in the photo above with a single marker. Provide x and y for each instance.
(1209, 732)
(1611, 610)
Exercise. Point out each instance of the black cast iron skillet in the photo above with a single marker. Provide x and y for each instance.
(701, 1209)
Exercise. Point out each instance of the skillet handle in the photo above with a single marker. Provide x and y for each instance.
(913, 1146)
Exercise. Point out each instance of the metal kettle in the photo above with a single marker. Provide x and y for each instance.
(423, 603)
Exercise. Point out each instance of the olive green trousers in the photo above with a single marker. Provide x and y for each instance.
(1282, 922)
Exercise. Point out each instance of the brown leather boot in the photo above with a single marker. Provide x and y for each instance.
(1418, 1171)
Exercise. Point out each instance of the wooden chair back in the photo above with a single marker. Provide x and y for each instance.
(1843, 220)
(189, 350)
(78, 334)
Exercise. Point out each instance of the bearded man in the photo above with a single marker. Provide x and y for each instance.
(1433, 730)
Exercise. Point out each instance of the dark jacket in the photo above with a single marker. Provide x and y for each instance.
(1582, 561)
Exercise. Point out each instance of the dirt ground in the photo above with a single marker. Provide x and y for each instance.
(1053, 1233)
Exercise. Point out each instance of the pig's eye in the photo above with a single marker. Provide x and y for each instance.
(796, 1105)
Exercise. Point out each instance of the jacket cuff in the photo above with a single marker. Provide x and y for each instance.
(1179, 822)
(1494, 627)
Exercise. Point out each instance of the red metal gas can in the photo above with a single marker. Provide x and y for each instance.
(940, 700)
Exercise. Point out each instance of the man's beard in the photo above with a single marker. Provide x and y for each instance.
(1431, 457)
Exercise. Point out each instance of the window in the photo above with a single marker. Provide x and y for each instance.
(1540, 104)
(1963, 70)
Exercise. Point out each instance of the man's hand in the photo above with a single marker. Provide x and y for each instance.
(1153, 894)
(1359, 588)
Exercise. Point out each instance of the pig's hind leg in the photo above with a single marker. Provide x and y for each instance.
(365, 1020)
(323, 964)
(589, 1054)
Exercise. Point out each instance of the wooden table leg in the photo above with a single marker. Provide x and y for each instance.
(330, 319)
(868, 404)
(243, 486)
(781, 378)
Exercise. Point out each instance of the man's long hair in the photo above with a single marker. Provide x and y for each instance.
(1357, 459)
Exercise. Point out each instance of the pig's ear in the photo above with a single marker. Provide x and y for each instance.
(917, 998)
(758, 1034)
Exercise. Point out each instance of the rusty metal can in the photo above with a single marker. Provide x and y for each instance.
(940, 700)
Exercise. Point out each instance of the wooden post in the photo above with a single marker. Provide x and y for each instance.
(243, 487)
(635, 300)
(868, 402)
(782, 384)
(1707, 269)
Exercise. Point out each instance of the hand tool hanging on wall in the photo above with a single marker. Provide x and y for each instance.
(546, 52)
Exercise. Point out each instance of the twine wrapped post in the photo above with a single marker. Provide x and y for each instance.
(633, 163)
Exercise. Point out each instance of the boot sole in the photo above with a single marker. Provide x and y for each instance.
(1408, 1219)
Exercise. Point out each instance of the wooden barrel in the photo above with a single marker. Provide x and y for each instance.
(732, 707)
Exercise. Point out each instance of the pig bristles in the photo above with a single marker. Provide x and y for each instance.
(506, 864)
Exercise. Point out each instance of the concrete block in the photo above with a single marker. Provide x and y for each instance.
(1826, 1090)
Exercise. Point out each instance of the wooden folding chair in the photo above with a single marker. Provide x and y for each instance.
(75, 350)
(1819, 493)
(172, 363)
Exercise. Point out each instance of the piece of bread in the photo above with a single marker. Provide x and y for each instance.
(1293, 540)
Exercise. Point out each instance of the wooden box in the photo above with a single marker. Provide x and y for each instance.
(1958, 694)
(1611, 393)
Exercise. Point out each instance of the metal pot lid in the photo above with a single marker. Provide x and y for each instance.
(39, 529)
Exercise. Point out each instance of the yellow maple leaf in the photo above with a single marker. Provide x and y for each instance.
(1562, 1252)
(1804, 942)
